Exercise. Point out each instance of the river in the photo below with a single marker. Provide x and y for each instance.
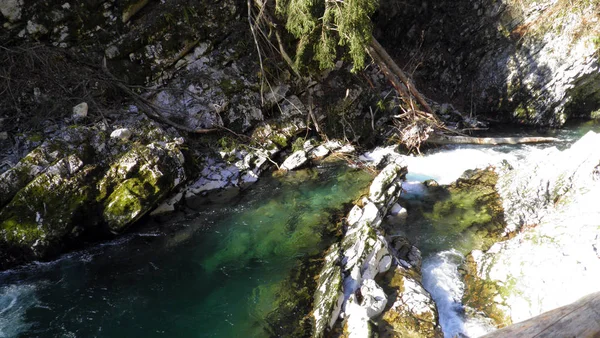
(218, 272)
(215, 276)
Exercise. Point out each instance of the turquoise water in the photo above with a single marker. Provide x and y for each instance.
(216, 276)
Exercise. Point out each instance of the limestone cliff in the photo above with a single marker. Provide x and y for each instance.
(531, 62)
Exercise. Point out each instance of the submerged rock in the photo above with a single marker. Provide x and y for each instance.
(552, 260)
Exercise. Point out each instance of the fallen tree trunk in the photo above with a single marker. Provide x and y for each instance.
(444, 139)
(384, 60)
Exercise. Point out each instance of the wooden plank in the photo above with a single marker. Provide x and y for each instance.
(579, 319)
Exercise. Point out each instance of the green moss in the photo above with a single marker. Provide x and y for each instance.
(524, 113)
(280, 140)
(35, 137)
(135, 183)
(399, 322)
(469, 209)
(45, 210)
(129, 200)
(480, 294)
(298, 144)
(132, 8)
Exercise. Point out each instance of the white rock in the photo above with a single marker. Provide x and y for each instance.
(383, 181)
(354, 215)
(308, 145)
(35, 28)
(346, 149)
(3, 135)
(558, 259)
(295, 160)
(319, 152)
(333, 145)
(358, 320)
(374, 298)
(370, 214)
(80, 111)
(378, 155)
(385, 263)
(329, 297)
(397, 209)
(11, 9)
(122, 133)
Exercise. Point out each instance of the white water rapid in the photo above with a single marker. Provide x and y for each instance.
(440, 269)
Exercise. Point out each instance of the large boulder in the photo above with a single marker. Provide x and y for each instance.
(552, 212)
(83, 185)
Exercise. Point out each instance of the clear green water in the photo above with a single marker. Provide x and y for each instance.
(215, 277)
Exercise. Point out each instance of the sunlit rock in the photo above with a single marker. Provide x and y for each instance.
(294, 161)
(11, 9)
(551, 206)
(121, 133)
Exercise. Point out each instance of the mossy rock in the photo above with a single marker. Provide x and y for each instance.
(34, 224)
(401, 321)
(480, 294)
(26, 170)
(136, 182)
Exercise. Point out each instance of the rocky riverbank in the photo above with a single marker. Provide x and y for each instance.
(550, 207)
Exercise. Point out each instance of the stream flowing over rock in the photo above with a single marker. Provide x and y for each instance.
(551, 204)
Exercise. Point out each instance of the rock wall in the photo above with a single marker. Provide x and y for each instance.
(521, 61)
(553, 259)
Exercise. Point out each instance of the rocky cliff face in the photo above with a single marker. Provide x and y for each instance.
(523, 61)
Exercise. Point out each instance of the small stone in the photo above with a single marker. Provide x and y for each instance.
(308, 146)
(11, 9)
(111, 52)
(122, 133)
(295, 160)
(374, 298)
(3, 135)
(319, 152)
(80, 111)
(385, 263)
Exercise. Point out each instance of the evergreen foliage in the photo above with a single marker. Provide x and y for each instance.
(323, 25)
